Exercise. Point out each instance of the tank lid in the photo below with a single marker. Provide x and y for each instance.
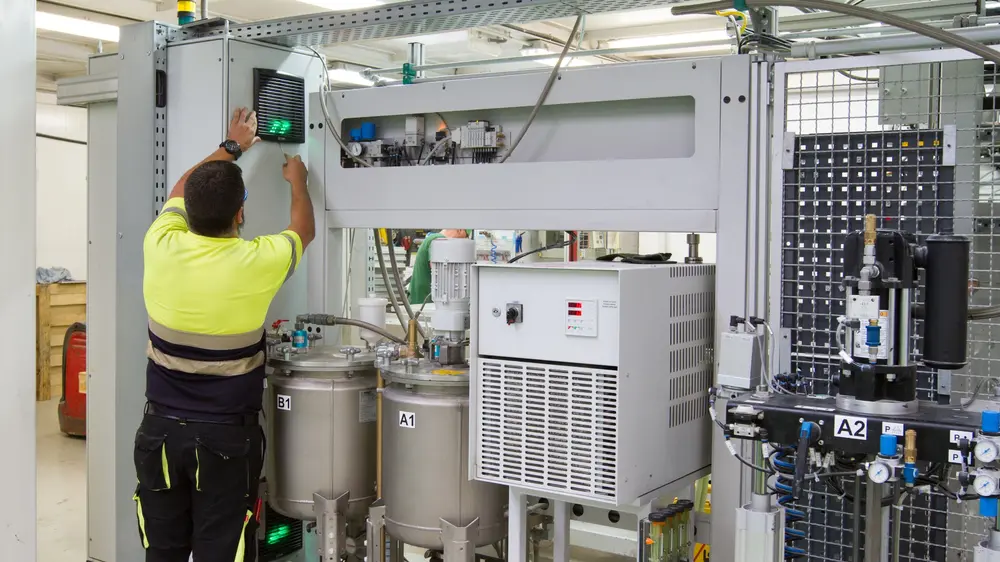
(426, 373)
(658, 516)
(321, 358)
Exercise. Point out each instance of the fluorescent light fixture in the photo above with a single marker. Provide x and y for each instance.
(566, 62)
(347, 76)
(703, 50)
(73, 26)
(672, 39)
(340, 5)
(532, 51)
(344, 76)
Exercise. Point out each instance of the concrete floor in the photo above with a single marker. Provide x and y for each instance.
(62, 490)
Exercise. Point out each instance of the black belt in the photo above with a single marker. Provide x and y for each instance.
(195, 417)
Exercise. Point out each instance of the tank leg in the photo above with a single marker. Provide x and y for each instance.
(396, 550)
(375, 539)
(517, 527)
(460, 542)
(331, 526)
(560, 540)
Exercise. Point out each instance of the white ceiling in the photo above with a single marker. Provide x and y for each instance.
(64, 55)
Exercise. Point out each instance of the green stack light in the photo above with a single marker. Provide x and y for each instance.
(279, 127)
(278, 534)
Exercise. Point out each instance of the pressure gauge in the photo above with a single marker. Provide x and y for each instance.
(355, 148)
(986, 451)
(985, 484)
(879, 472)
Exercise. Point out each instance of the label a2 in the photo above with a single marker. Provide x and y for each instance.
(850, 427)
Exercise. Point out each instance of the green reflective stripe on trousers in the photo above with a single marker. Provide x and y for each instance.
(163, 463)
(197, 470)
(241, 548)
(142, 520)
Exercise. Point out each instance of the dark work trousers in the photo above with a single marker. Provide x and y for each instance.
(198, 488)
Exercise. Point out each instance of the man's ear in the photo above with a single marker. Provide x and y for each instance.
(239, 216)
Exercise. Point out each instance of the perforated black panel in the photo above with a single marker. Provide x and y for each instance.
(836, 180)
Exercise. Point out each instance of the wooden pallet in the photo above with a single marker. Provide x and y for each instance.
(58, 306)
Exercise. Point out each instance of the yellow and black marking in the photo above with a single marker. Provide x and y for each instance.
(185, 11)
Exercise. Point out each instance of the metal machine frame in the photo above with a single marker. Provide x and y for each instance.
(141, 159)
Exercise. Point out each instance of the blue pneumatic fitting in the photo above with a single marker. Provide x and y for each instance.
(991, 421)
(367, 131)
(988, 507)
(300, 339)
(887, 445)
(910, 473)
(355, 135)
(873, 335)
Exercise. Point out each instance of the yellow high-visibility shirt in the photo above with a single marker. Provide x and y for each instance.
(212, 286)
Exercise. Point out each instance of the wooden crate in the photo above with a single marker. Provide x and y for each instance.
(58, 306)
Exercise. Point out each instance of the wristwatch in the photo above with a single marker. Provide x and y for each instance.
(232, 147)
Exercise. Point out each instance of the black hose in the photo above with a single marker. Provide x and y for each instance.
(563, 244)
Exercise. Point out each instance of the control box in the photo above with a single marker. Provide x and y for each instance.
(590, 377)
(740, 359)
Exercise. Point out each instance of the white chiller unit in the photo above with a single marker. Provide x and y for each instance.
(590, 379)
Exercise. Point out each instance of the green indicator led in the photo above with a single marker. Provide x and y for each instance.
(278, 534)
(279, 127)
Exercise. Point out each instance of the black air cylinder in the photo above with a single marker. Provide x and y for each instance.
(946, 321)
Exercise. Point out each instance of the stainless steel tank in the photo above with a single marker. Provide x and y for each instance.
(425, 454)
(321, 430)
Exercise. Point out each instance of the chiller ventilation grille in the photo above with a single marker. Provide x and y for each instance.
(691, 332)
(550, 427)
(280, 103)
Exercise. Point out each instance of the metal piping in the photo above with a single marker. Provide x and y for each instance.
(887, 18)
(371, 72)
(385, 280)
(551, 39)
(417, 58)
(399, 284)
(204, 9)
(331, 320)
(896, 521)
(854, 32)
(898, 42)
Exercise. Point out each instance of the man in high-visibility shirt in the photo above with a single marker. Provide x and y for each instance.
(199, 450)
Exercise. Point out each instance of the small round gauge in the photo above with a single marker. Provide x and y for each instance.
(985, 485)
(355, 148)
(986, 451)
(879, 472)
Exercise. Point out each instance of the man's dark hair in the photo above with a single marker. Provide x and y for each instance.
(213, 194)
